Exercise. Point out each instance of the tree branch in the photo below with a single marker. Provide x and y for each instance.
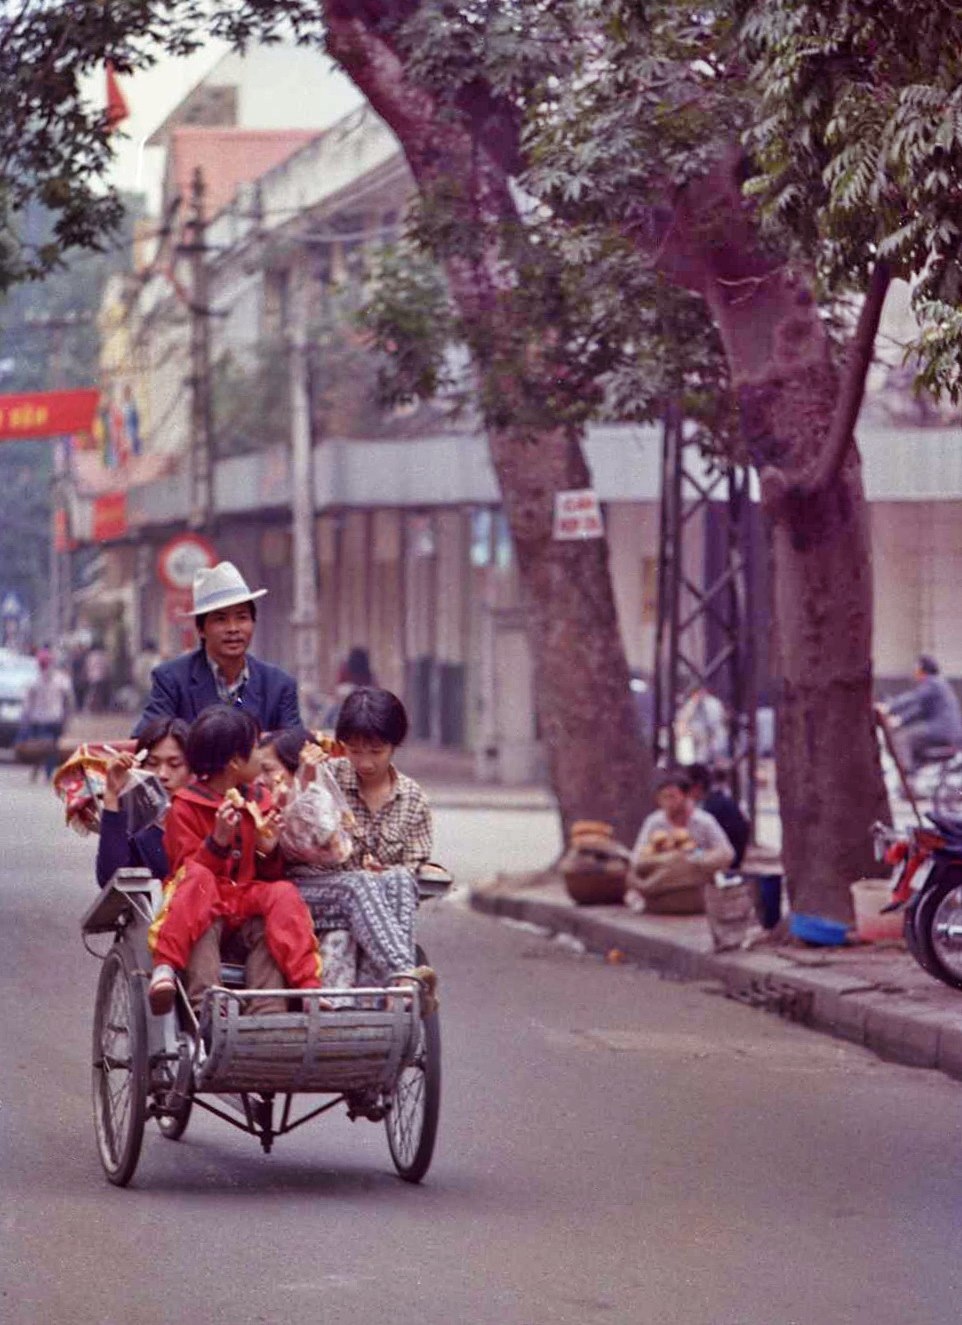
(842, 431)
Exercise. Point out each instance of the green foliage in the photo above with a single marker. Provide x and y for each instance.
(55, 147)
(858, 144)
(849, 113)
(411, 321)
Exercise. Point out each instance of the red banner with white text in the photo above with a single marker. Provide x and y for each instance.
(47, 414)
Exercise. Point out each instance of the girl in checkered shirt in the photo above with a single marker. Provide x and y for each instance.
(375, 894)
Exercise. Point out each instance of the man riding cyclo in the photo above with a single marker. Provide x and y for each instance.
(221, 669)
(221, 672)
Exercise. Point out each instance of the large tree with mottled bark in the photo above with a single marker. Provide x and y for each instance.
(783, 161)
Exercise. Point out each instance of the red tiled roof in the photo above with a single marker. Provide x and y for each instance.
(227, 157)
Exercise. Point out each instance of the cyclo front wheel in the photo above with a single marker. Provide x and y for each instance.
(119, 1068)
(412, 1117)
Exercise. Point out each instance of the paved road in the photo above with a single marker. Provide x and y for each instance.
(613, 1148)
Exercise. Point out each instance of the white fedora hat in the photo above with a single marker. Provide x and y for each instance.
(220, 586)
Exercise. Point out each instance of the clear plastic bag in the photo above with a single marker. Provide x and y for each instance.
(314, 820)
(143, 800)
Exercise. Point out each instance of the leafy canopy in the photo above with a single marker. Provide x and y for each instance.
(848, 113)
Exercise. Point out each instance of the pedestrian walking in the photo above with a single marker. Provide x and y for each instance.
(47, 706)
(97, 677)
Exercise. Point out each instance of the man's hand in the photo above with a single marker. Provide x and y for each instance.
(115, 777)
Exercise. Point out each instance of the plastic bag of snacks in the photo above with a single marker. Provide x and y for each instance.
(315, 818)
(80, 783)
(143, 800)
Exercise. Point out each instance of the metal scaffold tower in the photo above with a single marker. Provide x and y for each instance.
(705, 635)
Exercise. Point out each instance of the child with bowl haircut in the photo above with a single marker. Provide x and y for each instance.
(222, 847)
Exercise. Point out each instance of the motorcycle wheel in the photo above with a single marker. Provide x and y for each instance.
(938, 928)
(911, 931)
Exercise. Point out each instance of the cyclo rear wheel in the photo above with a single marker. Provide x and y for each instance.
(119, 1068)
(413, 1109)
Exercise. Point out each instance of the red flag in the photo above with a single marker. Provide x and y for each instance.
(117, 108)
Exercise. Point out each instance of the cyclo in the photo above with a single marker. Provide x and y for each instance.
(373, 1051)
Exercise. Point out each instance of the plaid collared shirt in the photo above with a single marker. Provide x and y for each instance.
(399, 833)
(228, 691)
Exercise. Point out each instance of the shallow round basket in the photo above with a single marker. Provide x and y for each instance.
(595, 888)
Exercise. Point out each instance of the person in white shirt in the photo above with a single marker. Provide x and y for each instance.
(678, 851)
(46, 707)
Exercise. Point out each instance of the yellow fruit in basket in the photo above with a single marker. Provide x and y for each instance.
(590, 828)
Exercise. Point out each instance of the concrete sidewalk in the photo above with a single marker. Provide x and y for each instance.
(873, 994)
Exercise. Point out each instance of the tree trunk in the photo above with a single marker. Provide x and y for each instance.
(598, 766)
(829, 777)
(830, 786)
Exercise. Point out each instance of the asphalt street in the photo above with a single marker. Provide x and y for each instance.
(613, 1147)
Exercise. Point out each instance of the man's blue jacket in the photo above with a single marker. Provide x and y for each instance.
(185, 686)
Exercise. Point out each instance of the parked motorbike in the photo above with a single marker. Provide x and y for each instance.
(927, 887)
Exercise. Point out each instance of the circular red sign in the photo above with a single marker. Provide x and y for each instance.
(179, 558)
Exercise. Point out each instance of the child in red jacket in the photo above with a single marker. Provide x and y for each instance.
(224, 861)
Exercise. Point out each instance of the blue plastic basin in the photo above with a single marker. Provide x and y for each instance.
(816, 929)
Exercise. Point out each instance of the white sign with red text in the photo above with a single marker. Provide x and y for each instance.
(577, 514)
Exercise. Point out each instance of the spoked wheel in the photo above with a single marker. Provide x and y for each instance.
(412, 1116)
(938, 928)
(119, 1068)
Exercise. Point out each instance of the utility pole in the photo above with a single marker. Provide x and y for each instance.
(61, 565)
(304, 617)
(201, 429)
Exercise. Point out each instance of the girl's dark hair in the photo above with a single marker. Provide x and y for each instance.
(216, 736)
(158, 729)
(288, 743)
(369, 713)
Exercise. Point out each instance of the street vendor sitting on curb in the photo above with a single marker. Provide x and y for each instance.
(221, 670)
(678, 851)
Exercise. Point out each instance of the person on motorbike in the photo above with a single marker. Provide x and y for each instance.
(925, 716)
